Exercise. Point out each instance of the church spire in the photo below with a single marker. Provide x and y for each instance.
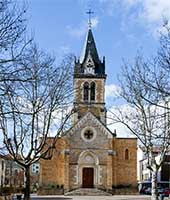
(89, 80)
(89, 47)
(89, 62)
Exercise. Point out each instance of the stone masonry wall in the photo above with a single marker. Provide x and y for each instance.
(99, 89)
(125, 170)
(97, 147)
(98, 106)
(52, 171)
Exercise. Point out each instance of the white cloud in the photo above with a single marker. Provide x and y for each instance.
(77, 32)
(95, 22)
(150, 10)
(112, 90)
(148, 13)
(154, 13)
(65, 49)
(131, 2)
(82, 29)
(156, 10)
(121, 130)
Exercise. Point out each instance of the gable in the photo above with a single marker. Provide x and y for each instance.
(90, 117)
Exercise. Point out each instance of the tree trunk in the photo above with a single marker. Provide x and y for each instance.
(27, 183)
(154, 185)
(11, 174)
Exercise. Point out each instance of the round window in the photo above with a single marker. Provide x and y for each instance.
(88, 134)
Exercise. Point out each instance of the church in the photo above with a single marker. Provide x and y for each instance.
(90, 155)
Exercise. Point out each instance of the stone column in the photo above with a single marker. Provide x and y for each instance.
(114, 163)
(109, 171)
(110, 165)
(66, 171)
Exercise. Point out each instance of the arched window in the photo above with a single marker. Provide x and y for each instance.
(86, 91)
(92, 91)
(126, 154)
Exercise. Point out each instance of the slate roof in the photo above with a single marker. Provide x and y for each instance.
(89, 45)
(90, 48)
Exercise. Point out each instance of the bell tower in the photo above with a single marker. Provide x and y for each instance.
(89, 81)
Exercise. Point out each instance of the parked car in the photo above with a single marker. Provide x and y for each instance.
(160, 190)
(166, 192)
(142, 190)
(148, 190)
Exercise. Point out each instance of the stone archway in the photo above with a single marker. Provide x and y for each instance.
(88, 169)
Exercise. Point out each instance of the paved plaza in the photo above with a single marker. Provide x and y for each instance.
(115, 197)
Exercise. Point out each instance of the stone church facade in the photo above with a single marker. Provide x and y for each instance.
(90, 155)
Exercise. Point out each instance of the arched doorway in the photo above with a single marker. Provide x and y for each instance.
(88, 170)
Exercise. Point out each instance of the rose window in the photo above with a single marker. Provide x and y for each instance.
(88, 134)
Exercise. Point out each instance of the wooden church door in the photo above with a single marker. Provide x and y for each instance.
(88, 177)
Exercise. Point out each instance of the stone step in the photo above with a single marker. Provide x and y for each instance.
(88, 192)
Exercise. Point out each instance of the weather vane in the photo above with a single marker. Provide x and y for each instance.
(89, 12)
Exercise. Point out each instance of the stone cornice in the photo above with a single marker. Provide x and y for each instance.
(90, 76)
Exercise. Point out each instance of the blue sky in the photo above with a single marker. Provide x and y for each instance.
(120, 28)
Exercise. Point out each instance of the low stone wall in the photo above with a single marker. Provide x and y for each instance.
(44, 191)
(7, 197)
(124, 191)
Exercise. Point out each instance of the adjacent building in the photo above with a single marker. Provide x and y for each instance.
(144, 175)
(12, 174)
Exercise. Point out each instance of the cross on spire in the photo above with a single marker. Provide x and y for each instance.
(89, 12)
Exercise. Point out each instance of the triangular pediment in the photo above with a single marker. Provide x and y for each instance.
(90, 117)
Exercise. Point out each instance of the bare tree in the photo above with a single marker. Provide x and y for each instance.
(13, 39)
(146, 121)
(12, 32)
(147, 111)
(33, 92)
(32, 101)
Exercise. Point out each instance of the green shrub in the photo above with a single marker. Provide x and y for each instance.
(51, 186)
(58, 186)
(7, 190)
(62, 186)
(121, 186)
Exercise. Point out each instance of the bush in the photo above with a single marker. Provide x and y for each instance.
(58, 186)
(52, 186)
(121, 186)
(19, 190)
(51, 189)
(6, 190)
